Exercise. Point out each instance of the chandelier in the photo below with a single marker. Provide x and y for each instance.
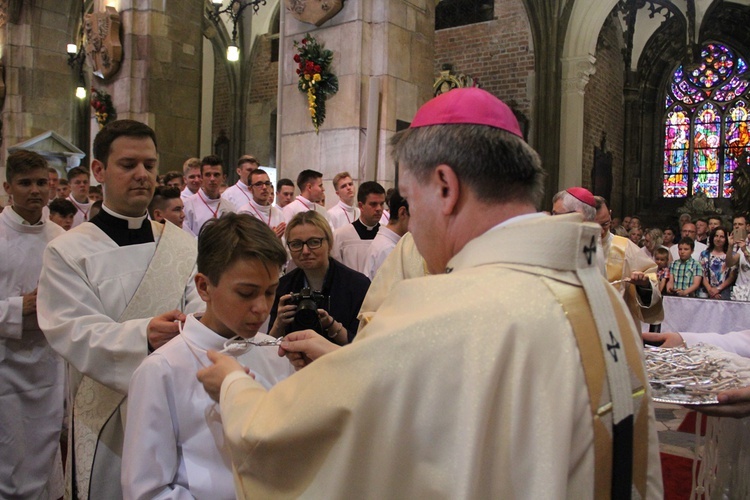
(234, 11)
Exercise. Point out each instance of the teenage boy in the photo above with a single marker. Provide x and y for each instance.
(191, 172)
(31, 374)
(344, 212)
(167, 205)
(686, 274)
(63, 189)
(207, 203)
(174, 445)
(239, 194)
(79, 194)
(62, 212)
(259, 204)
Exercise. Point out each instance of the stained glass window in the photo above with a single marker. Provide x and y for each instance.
(706, 126)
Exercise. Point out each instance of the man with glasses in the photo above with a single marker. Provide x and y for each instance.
(688, 231)
(239, 194)
(258, 205)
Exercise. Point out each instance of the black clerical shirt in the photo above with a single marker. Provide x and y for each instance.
(117, 229)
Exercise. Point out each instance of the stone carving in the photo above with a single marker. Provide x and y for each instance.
(314, 12)
(449, 81)
(103, 47)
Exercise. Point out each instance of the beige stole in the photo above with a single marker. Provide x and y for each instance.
(95, 443)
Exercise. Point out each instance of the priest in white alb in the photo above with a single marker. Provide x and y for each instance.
(207, 203)
(512, 371)
(31, 374)
(351, 242)
(109, 293)
(388, 236)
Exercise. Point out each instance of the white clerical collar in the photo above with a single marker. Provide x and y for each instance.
(310, 205)
(346, 207)
(133, 222)
(17, 219)
(263, 208)
(242, 185)
(200, 335)
(369, 228)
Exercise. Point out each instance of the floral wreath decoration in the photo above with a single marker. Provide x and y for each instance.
(104, 110)
(315, 76)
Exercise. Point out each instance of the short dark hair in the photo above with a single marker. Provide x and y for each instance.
(739, 216)
(257, 171)
(214, 161)
(21, 162)
(95, 190)
(173, 174)
(119, 128)
(247, 159)
(687, 240)
(661, 251)
(497, 165)
(716, 217)
(395, 202)
(700, 219)
(283, 182)
(367, 188)
(711, 245)
(63, 182)
(77, 171)
(62, 207)
(232, 237)
(162, 194)
(307, 176)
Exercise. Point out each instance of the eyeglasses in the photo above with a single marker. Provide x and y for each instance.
(260, 184)
(605, 225)
(312, 244)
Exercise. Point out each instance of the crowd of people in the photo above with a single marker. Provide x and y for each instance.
(220, 342)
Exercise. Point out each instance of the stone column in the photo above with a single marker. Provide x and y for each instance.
(575, 75)
(159, 82)
(390, 40)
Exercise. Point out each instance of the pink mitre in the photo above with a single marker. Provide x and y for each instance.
(469, 105)
(583, 195)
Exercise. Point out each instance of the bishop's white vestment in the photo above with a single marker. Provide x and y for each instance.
(174, 443)
(95, 302)
(467, 384)
(31, 374)
(342, 214)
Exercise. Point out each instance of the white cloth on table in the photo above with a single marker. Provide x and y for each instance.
(454, 387)
(199, 208)
(342, 214)
(383, 244)
(237, 194)
(32, 378)
(737, 342)
(174, 444)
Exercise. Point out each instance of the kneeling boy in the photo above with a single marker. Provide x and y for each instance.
(174, 442)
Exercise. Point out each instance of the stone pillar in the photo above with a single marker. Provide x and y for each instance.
(575, 75)
(39, 84)
(391, 40)
(159, 82)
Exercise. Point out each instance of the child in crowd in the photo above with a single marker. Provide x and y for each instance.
(174, 442)
(661, 257)
(61, 212)
(686, 274)
(63, 189)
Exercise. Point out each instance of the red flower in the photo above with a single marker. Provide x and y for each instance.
(317, 68)
(304, 41)
(299, 71)
(296, 58)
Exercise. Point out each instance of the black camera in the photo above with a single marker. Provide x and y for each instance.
(308, 302)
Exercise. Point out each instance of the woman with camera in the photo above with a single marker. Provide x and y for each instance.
(319, 283)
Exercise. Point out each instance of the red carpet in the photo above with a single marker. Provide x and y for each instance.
(677, 474)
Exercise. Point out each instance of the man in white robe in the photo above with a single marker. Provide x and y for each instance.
(388, 236)
(474, 383)
(207, 203)
(239, 193)
(351, 242)
(344, 212)
(284, 193)
(174, 445)
(109, 293)
(191, 174)
(259, 207)
(31, 373)
(311, 192)
(79, 194)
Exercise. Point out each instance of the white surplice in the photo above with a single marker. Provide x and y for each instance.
(302, 204)
(82, 211)
(199, 208)
(342, 214)
(174, 444)
(383, 244)
(186, 193)
(350, 249)
(270, 214)
(467, 384)
(237, 194)
(31, 373)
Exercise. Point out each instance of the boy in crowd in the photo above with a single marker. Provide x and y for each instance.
(61, 212)
(79, 194)
(95, 194)
(174, 444)
(63, 189)
(661, 257)
(174, 179)
(686, 274)
(167, 205)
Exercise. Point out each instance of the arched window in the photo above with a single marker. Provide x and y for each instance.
(706, 124)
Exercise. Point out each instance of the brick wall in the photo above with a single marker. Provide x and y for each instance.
(499, 53)
(604, 110)
(222, 118)
(265, 74)
(262, 102)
